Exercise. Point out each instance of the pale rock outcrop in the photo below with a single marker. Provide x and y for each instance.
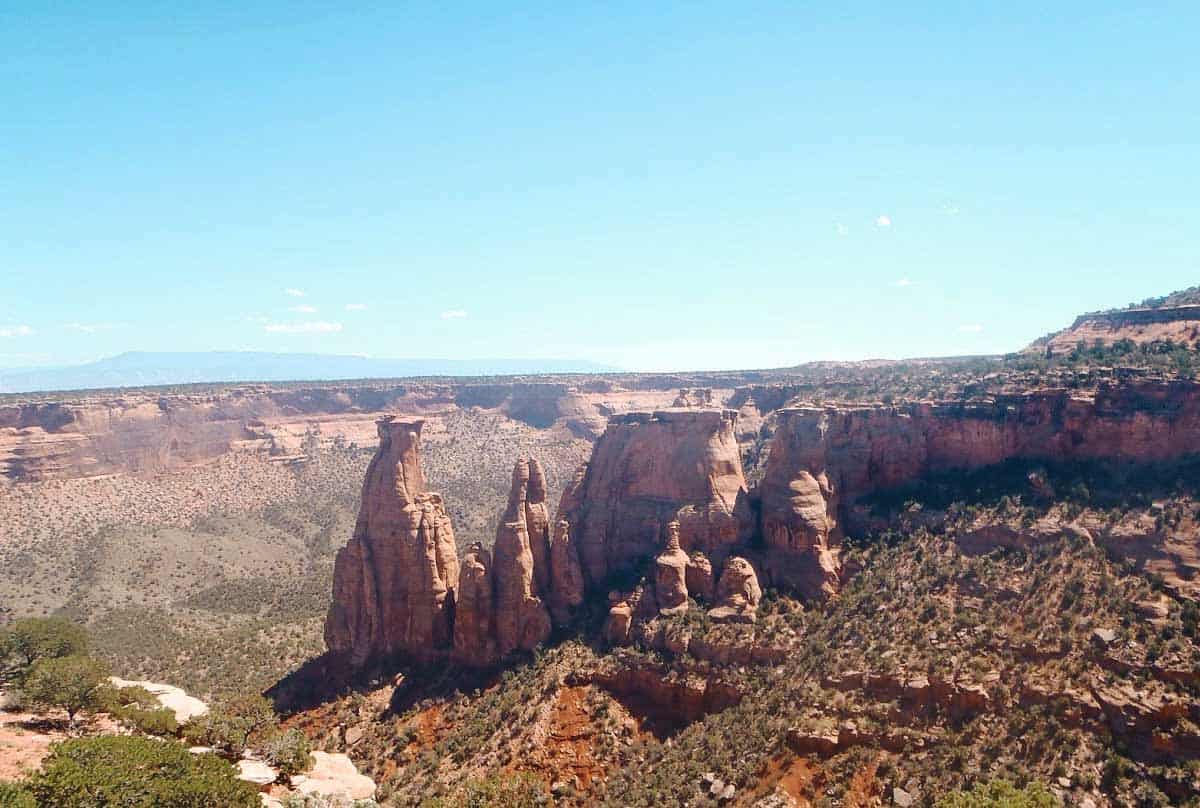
(175, 699)
(738, 593)
(394, 582)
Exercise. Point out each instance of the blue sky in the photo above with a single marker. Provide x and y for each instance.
(652, 185)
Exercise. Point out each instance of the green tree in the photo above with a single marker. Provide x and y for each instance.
(289, 752)
(1000, 794)
(73, 683)
(232, 726)
(136, 772)
(139, 708)
(32, 638)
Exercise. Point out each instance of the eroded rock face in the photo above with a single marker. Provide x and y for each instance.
(670, 575)
(824, 459)
(651, 469)
(474, 620)
(522, 619)
(738, 593)
(394, 582)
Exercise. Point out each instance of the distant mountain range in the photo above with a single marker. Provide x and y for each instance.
(144, 369)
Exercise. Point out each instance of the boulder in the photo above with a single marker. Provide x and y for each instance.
(738, 593)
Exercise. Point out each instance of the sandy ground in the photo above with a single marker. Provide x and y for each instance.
(22, 748)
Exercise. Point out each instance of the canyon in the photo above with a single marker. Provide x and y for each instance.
(664, 503)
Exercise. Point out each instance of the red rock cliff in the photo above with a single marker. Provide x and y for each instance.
(823, 459)
(648, 470)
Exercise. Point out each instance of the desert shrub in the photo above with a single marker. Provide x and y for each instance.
(322, 801)
(290, 752)
(1000, 794)
(515, 791)
(139, 708)
(159, 721)
(72, 683)
(234, 725)
(135, 772)
(15, 795)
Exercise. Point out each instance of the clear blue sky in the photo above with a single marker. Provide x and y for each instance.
(654, 185)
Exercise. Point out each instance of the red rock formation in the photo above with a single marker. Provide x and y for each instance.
(474, 623)
(738, 593)
(522, 620)
(670, 575)
(647, 470)
(823, 459)
(394, 583)
(700, 577)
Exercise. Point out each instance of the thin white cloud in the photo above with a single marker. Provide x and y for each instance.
(15, 331)
(970, 328)
(903, 283)
(951, 210)
(454, 314)
(293, 292)
(883, 220)
(842, 230)
(303, 308)
(89, 328)
(309, 327)
(356, 307)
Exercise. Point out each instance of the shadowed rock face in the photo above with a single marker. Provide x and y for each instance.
(647, 470)
(522, 619)
(394, 582)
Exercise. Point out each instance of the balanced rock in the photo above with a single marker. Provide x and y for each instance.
(670, 575)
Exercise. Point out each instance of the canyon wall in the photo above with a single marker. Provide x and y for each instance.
(825, 458)
(140, 432)
(1180, 324)
(662, 512)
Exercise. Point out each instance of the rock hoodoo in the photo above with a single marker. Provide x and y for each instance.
(394, 582)
(521, 617)
(399, 587)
